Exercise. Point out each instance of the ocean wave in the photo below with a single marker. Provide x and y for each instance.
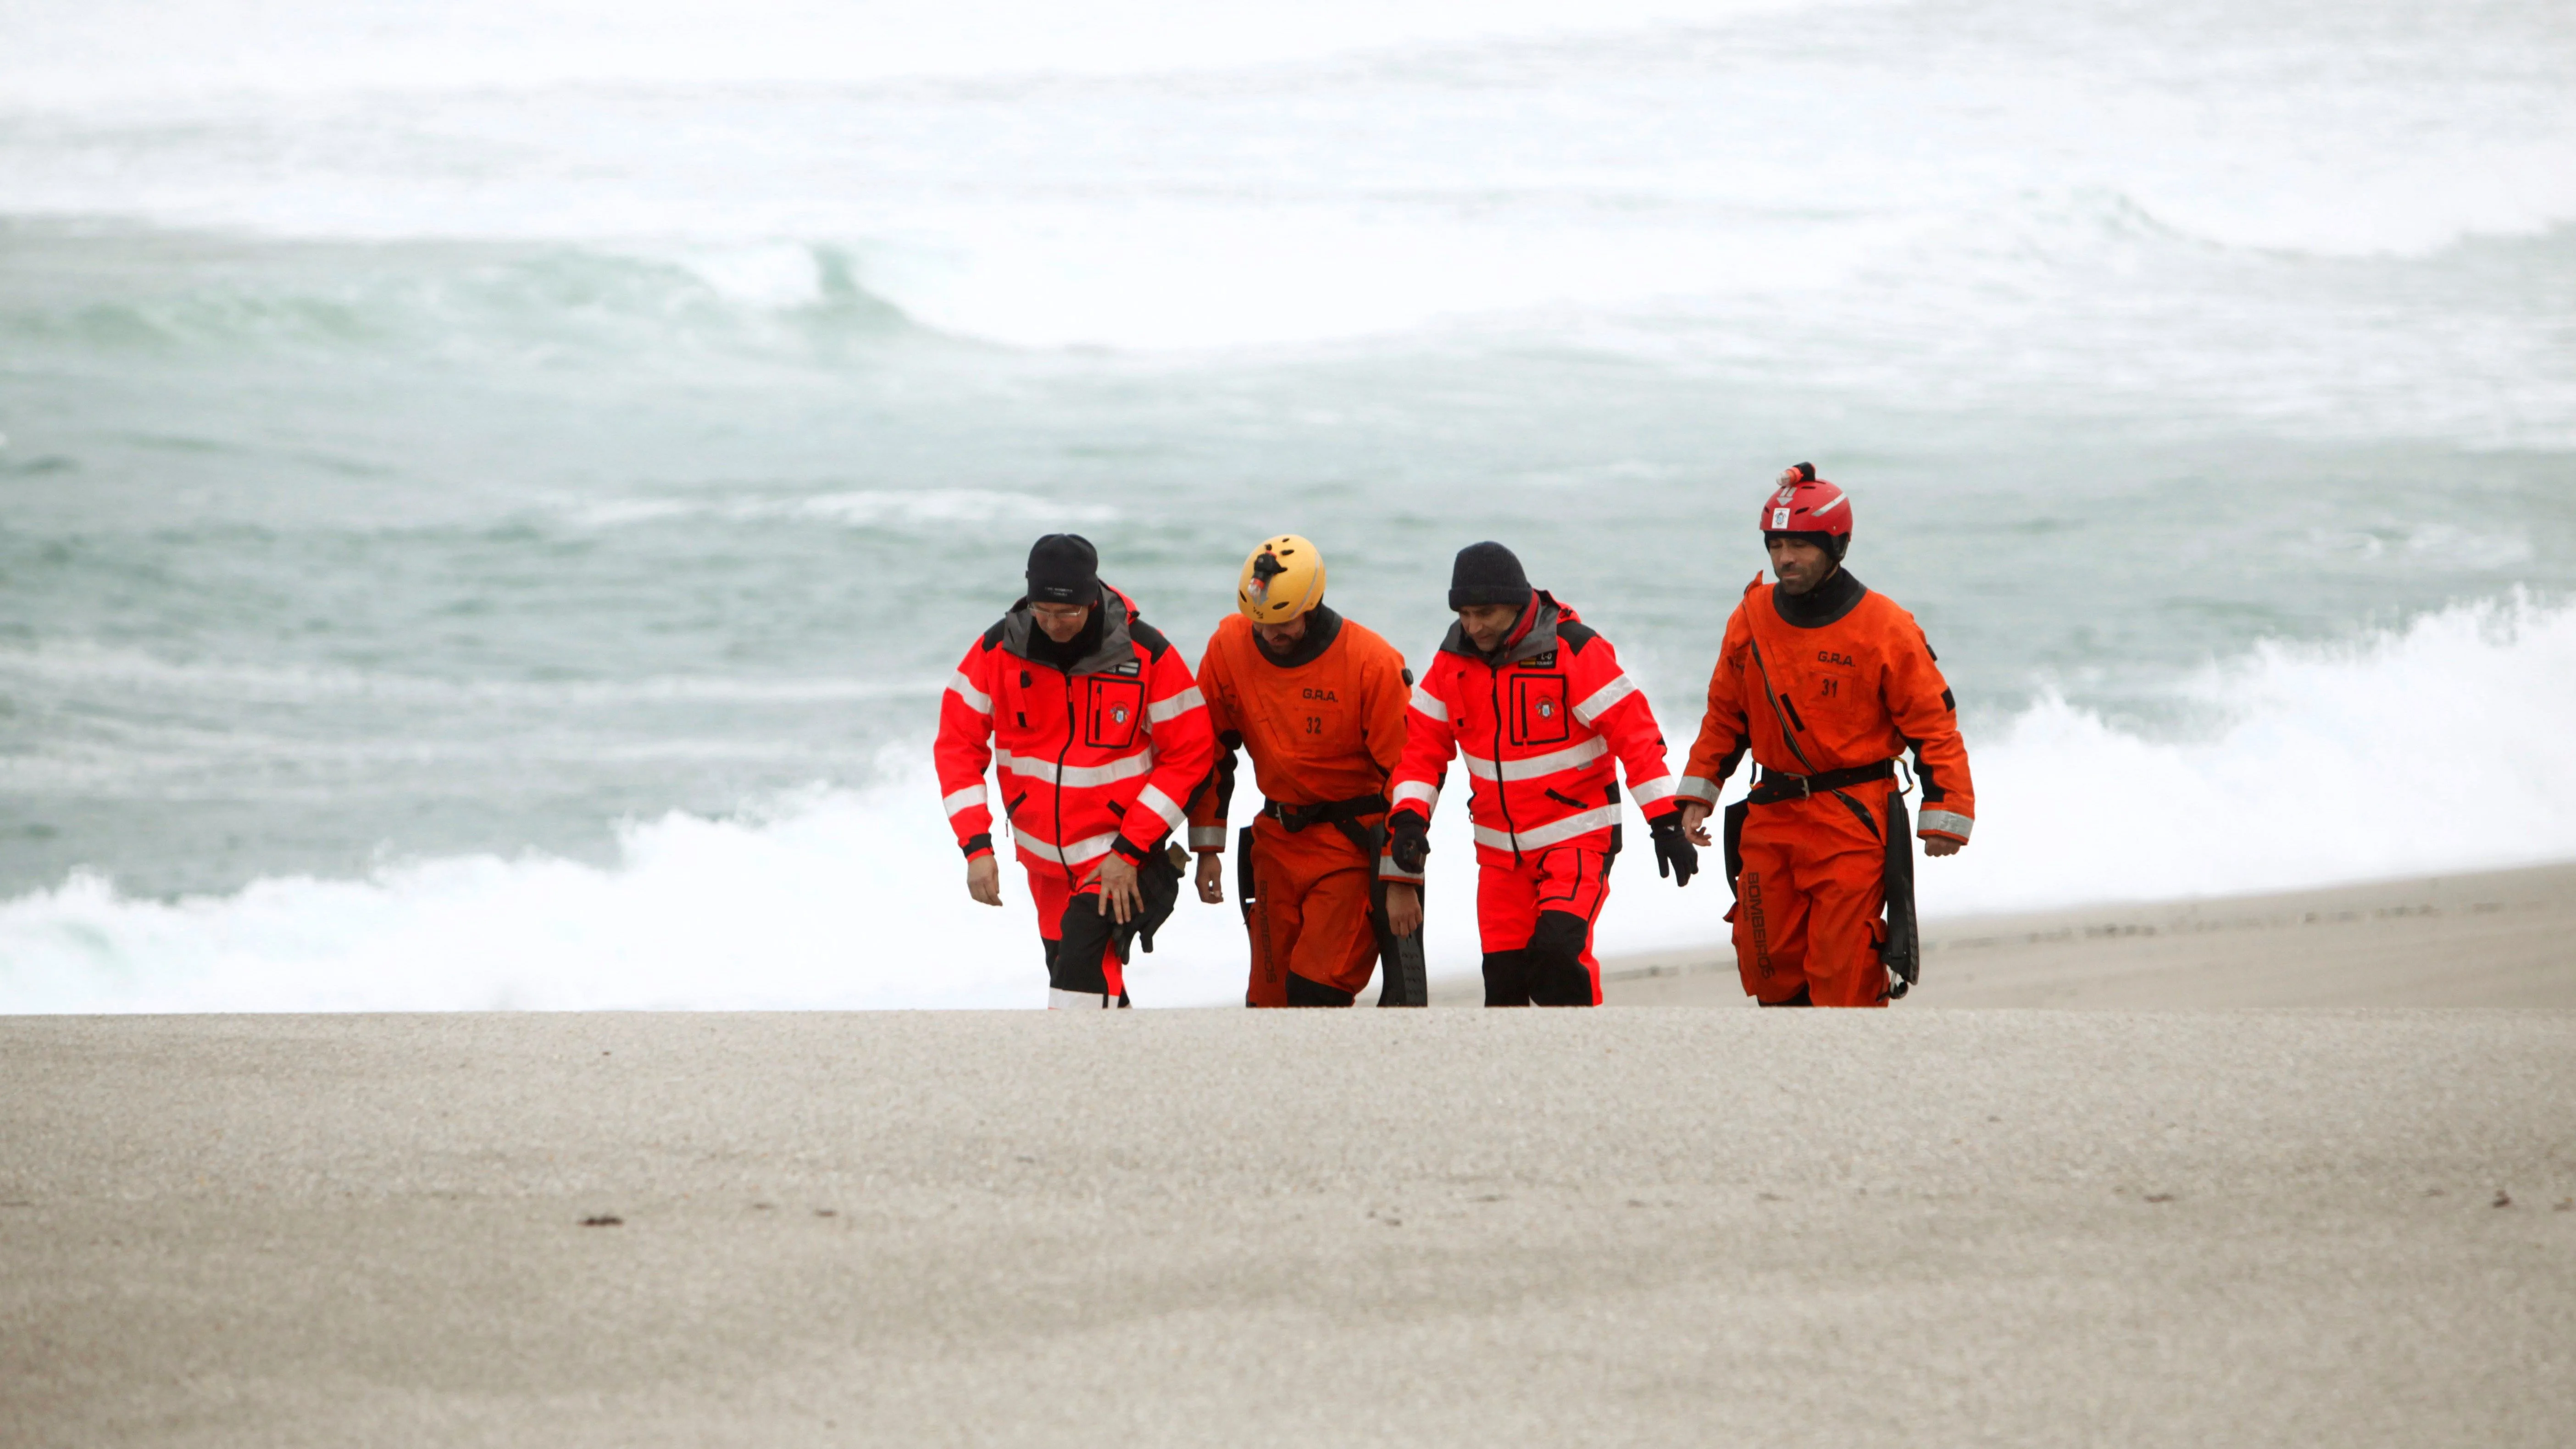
(2078, 301)
(2053, 300)
(1630, 157)
(94, 668)
(2433, 747)
(2430, 748)
(115, 288)
(2436, 747)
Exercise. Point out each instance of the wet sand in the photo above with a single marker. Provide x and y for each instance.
(1662, 1226)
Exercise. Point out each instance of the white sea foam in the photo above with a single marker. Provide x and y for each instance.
(1488, 159)
(2433, 748)
(67, 54)
(2441, 747)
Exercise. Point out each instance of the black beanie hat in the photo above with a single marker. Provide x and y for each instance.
(1487, 573)
(1064, 569)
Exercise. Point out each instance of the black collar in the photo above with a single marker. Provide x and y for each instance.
(1824, 604)
(1323, 626)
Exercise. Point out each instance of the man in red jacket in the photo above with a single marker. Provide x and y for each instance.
(1825, 683)
(1536, 704)
(1103, 738)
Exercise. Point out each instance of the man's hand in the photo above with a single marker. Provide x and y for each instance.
(1941, 845)
(1403, 909)
(1212, 877)
(1120, 897)
(1408, 841)
(1673, 853)
(984, 879)
(1694, 817)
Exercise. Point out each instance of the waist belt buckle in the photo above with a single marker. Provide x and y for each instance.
(1806, 786)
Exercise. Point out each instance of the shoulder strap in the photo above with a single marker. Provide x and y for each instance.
(1753, 642)
(1790, 735)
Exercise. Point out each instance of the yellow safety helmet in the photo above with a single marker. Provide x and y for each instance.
(1281, 580)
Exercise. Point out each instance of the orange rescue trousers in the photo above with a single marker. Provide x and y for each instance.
(1086, 951)
(1308, 910)
(1807, 907)
(1535, 919)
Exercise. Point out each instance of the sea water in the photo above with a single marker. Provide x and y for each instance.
(492, 491)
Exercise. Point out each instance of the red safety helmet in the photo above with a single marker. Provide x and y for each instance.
(1805, 503)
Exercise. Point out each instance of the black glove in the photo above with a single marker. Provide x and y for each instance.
(1675, 856)
(1408, 841)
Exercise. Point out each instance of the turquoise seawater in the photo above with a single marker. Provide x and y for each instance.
(491, 527)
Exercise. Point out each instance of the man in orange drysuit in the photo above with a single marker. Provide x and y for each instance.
(1534, 701)
(1102, 737)
(1825, 683)
(1318, 701)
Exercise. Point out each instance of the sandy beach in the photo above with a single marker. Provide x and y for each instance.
(2497, 938)
(522, 535)
(1653, 1226)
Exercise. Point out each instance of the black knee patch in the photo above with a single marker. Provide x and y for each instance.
(1302, 992)
(1555, 960)
(1073, 962)
(1801, 999)
(1507, 978)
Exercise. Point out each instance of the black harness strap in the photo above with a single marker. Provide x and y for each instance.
(1400, 963)
(1773, 787)
(1345, 814)
(1789, 733)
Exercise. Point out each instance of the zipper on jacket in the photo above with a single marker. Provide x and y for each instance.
(1502, 797)
(1062, 753)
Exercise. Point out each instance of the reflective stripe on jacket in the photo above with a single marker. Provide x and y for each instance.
(1099, 757)
(1537, 731)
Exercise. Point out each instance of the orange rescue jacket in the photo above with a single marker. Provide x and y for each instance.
(1539, 729)
(1861, 689)
(1099, 757)
(1325, 726)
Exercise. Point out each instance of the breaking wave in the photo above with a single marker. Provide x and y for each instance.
(2434, 747)
(185, 294)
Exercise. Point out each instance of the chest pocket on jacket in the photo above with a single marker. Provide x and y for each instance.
(1538, 709)
(1112, 712)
